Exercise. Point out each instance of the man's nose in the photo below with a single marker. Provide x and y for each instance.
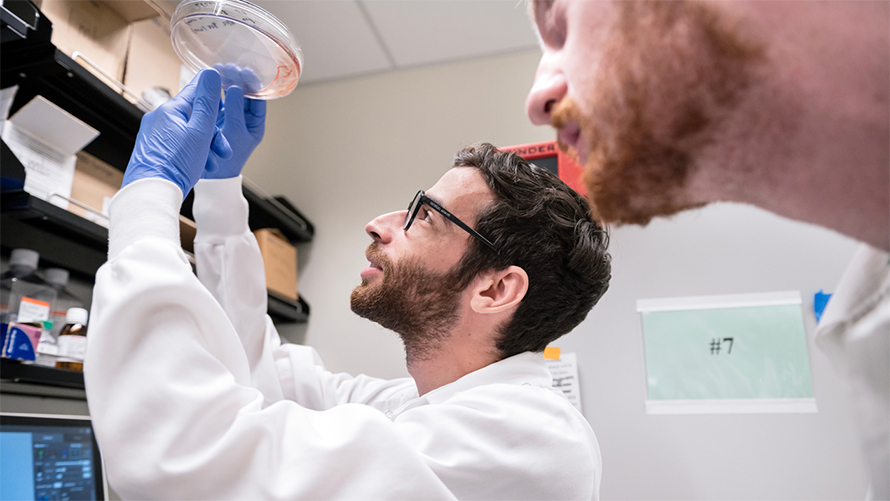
(381, 228)
(549, 88)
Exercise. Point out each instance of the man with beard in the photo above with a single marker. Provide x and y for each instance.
(193, 395)
(783, 105)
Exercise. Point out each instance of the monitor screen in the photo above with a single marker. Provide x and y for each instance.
(45, 457)
(550, 163)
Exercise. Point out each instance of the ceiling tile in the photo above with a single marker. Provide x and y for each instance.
(428, 31)
(336, 39)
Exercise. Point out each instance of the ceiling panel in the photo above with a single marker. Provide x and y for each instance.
(429, 31)
(336, 39)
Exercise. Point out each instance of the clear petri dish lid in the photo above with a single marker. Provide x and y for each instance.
(249, 46)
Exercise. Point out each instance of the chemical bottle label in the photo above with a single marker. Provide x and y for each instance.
(72, 347)
(32, 310)
(47, 346)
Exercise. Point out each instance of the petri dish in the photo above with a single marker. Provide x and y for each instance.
(249, 46)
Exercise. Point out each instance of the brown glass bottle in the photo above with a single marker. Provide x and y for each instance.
(73, 340)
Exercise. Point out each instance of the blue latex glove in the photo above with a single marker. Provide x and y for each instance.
(174, 140)
(242, 121)
(232, 74)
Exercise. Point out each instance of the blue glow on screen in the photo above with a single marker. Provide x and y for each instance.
(16, 466)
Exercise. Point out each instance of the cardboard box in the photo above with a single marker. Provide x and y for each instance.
(105, 31)
(45, 138)
(95, 183)
(280, 261)
(92, 28)
(151, 61)
(187, 231)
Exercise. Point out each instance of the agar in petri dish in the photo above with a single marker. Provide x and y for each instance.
(249, 46)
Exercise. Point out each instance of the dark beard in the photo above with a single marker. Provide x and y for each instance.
(669, 77)
(419, 305)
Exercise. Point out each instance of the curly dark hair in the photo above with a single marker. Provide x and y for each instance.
(541, 225)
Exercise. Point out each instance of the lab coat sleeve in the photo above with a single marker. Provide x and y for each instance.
(230, 265)
(171, 397)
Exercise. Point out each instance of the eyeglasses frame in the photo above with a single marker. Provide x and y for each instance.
(421, 199)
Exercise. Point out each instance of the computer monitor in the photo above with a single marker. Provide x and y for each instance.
(47, 457)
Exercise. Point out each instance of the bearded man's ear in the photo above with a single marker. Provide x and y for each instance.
(497, 291)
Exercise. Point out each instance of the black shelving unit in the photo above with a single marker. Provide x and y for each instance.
(61, 237)
(18, 372)
(285, 310)
(30, 61)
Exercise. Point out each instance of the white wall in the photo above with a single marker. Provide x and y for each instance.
(347, 151)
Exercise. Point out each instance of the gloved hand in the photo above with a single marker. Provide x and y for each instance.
(174, 140)
(242, 121)
(232, 74)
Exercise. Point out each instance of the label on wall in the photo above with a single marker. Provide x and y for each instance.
(564, 370)
(742, 353)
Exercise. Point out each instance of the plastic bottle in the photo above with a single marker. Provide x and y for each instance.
(22, 262)
(22, 281)
(73, 340)
(47, 350)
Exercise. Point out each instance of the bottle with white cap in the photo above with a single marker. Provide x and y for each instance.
(47, 350)
(72, 340)
(24, 296)
(57, 278)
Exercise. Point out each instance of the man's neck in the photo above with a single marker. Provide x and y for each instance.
(811, 141)
(461, 353)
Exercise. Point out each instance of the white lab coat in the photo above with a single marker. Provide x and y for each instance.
(855, 333)
(193, 395)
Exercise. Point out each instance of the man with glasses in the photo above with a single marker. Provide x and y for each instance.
(193, 395)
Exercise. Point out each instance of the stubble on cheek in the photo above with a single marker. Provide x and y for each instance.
(418, 304)
(669, 75)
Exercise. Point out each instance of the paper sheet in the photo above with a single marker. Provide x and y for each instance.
(565, 377)
(743, 353)
(45, 138)
(6, 97)
(46, 170)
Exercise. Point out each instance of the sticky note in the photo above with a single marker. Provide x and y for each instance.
(551, 353)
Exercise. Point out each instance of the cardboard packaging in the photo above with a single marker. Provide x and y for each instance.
(100, 30)
(45, 138)
(280, 262)
(128, 39)
(151, 61)
(187, 231)
(20, 341)
(95, 183)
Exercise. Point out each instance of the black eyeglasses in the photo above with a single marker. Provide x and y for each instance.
(420, 199)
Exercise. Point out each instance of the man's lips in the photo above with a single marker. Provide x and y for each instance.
(373, 269)
(569, 136)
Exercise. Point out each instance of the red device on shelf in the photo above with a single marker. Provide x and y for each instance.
(547, 155)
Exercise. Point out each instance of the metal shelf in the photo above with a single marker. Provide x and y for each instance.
(17, 372)
(81, 246)
(285, 310)
(63, 238)
(267, 212)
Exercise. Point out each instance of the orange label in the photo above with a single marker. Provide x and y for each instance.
(35, 302)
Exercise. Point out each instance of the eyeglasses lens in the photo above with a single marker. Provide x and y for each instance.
(412, 210)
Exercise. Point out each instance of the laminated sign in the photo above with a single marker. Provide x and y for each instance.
(742, 353)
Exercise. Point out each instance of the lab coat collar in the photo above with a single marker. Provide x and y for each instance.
(525, 368)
